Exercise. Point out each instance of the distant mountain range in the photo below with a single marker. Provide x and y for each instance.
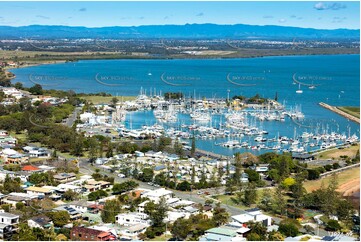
(191, 31)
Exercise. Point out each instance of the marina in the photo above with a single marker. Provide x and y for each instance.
(221, 128)
(221, 122)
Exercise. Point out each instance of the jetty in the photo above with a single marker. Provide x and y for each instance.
(340, 112)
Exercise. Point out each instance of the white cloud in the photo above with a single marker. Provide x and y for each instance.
(329, 6)
(42, 16)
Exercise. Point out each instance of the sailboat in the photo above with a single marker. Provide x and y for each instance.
(312, 86)
(299, 89)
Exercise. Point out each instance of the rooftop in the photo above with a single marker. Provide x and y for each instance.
(222, 231)
(8, 215)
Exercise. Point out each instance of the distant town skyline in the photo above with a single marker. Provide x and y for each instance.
(319, 15)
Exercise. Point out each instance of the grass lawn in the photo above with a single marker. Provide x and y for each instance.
(8, 54)
(100, 99)
(354, 111)
(227, 199)
(163, 237)
(343, 177)
(336, 153)
(20, 137)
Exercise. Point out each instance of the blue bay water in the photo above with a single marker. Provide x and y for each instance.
(338, 77)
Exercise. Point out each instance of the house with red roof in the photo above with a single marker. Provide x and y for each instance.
(30, 168)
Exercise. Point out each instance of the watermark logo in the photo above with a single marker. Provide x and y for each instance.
(34, 44)
(105, 44)
(178, 80)
(311, 81)
(47, 80)
(297, 45)
(112, 80)
(245, 80)
(47, 45)
(40, 121)
(303, 125)
(233, 44)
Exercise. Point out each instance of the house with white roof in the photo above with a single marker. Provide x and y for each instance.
(156, 195)
(253, 215)
(130, 219)
(132, 232)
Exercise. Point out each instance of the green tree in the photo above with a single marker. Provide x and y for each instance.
(114, 101)
(344, 210)
(157, 212)
(250, 194)
(111, 209)
(288, 228)
(18, 85)
(333, 225)
(36, 89)
(19, 206)
(193, 146)
(279, 201)
(266, 199)
(253, 175)
(146, 175)
(313, 174)
(180, 229)
(160, 179)
(184, 186)
(119, 188)
(220, 215)
(60, 218)
(70, 195)
(11, 185)
(93, 196)
(275, 236)
(178, 148)
(253, 237)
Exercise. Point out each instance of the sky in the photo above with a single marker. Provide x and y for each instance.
(319, 15)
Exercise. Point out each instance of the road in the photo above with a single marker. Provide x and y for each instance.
(86, 168)
(72, 117)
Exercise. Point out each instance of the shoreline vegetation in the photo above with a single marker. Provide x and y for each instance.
(30, 58)
(344, 111)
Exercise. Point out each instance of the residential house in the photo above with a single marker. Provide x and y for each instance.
(64, 177)
(39, 191)
(12, 91)
(61, 188)
(221, 234)
(11, 156)
(37, 152)
(81, 206)
(133, 231)
(260, 168)
(15, 197)
(30, 169)
(6, 139)
(156, 195)
(8, 224)
(73, 213)
(99, 185)
(129, 219)
(8, 218)
(41, 221)
(87, 234)
(253, 215)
